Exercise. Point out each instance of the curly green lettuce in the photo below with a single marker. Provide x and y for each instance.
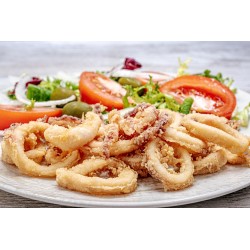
(243, 116)
(183, 66)
(150, 93)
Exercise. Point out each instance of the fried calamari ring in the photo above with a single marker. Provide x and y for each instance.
(79, 177)
(28, 166)
(211, 128)
(158, 169)
(234, 159)
(73, 138)
(211, 163)
(177, 134)
(6, 152)
(115, 149)
(64, 121)
(183, 139)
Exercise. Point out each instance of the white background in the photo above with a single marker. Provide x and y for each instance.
(128, 20)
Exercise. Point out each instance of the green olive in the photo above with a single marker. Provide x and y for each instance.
(129, 81)
(61, 93)
(76, 109)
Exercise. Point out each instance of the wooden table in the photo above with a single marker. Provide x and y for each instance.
(36, 58)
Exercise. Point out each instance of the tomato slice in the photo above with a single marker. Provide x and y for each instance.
(210, 96)
(17, 114)
(97, 88)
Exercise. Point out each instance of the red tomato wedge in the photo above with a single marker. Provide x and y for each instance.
(16, 114)
(210, 96)
(97, 88)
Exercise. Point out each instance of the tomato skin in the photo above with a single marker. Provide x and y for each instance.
(16, 114)
(97, 88)
(212, 89)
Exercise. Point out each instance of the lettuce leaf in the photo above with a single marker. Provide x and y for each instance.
(243, 116)
(183, 66)
(150, 93)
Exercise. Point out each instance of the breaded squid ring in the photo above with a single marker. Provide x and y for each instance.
(116, 148)
(73, 138)
(6, 152)
(6, 146)
(214, 129)
(170, 179)
(28, 166)
(234, 159)
(183, 139)
(211, 163)
(174, 133)
(77, 178)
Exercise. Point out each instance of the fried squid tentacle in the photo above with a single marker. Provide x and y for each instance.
(124, 146)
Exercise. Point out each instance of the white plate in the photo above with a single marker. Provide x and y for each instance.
(148, 194)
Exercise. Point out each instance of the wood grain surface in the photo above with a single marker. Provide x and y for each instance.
(44, 58)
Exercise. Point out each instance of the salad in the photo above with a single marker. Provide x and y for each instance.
(123, 86)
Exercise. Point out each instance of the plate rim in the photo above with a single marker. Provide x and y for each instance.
(121, 204)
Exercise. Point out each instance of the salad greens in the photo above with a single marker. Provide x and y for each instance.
(38, 93)
(186, 105)
(41, 90)
(183, 66)
(51, 84)
(243, 116)
(44, 90)
(150, 93)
